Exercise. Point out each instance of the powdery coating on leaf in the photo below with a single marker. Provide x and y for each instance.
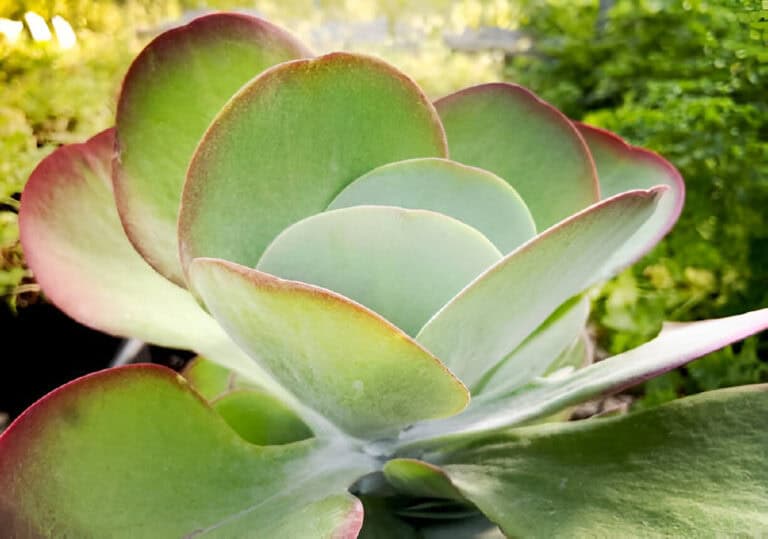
(22, 441)
(621, 150)
(582, 169)
(371, 380)
(148, 202)
(293, 179)
(501, 307)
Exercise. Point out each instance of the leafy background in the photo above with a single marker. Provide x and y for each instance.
(687, 79)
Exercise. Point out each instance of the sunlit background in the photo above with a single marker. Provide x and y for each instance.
(687, 78)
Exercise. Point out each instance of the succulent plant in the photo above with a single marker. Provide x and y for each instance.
(353, 262)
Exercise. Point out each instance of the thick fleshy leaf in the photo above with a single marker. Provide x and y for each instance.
(75, 245)
(622, 167)
(539, 353)
(675, 346)
(420, 479)
(104, 455)
(209, 379)
(691, 468)
(260, 418)
(494, 315)
(471, 195)
(171, 93)
(506, 129)
(286, 144)
(402, 264)
(342, 359)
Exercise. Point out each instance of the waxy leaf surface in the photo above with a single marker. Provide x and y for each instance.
(506, 129)
(471, 195)
(691, 468)
(402, 264)
(75, 245)
(622, 167)
(290, 141)
(345, 361)
(538, 353)
(675, 346)
(171, 93)
(493, 315)
(106, 456)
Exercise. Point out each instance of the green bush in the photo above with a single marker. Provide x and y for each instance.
(687, 79)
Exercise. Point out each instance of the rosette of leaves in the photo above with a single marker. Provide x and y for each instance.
(389, 294)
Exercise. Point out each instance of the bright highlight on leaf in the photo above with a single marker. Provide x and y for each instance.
(352, 286)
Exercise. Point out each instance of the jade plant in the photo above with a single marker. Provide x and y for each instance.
(389, 299)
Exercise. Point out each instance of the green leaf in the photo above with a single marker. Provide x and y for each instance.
(290, 141)
(75, 245)
(676, 345)
(538, 354)
(493, 315)
(402, 264)
(420, 479)
(471, 195)
(209, 379)
(345, 361)
(506, 129)
(622, 167)
(469, 528)
(694, 467)
(171, 93)
(260, 418)
(107, 455)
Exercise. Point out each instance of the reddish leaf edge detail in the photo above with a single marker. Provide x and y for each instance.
(203, 27)
(83, 383)
(264, 280)
(191, 193)
(53, 169)
(542, 107)
(619, 145)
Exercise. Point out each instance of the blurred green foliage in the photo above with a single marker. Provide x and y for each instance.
(688, 79)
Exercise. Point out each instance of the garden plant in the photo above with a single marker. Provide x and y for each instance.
(389, 299)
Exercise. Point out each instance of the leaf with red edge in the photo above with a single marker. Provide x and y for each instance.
(509, 131)
(344, 360)
(290, 141)
(76, 247)
(172, 91)
(623, 167)
(107, 455)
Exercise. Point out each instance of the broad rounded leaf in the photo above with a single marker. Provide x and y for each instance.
(471, 195)
(171, 93)
(675, 346)
(506, 129)
(402, 264)
(286, 144)
(75, 245)
(691, 468)
(342, 359)
(420, 479)
(493, 315)
(622, 167)
(103, 456)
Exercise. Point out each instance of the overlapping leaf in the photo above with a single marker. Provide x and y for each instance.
(286, 144)
(402, 264)
(106, 456)
(506, 129)
(693, 467)
(171, 93)
(345, 361)
(471, 195)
